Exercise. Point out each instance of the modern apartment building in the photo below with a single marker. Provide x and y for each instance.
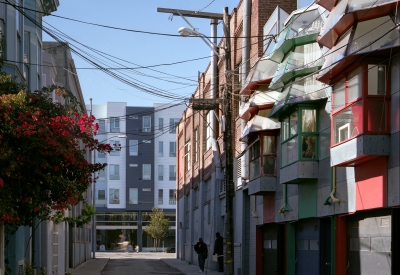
(139, 174)
(316, 144)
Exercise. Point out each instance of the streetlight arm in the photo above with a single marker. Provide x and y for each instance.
(202, 36)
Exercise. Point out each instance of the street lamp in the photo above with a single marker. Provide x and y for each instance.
(94, 199)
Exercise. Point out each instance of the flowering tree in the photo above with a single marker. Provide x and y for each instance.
(43, 170)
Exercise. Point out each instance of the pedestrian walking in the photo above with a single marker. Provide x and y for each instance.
(219, 250)
(202, 253)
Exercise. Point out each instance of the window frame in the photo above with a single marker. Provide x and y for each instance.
(160, 172)
(362, 100)
(116, 148)
(173, 122)
(160, 148)
(262, 155)
(132, 146)
(115, 195)
(172, 153)
(169, 173)
(160, 196)
(161, 124)
(146, 128)
(172, 199)
(114, 175)
(130, 201)
(196, 145)
(98, 195)
(102, 126)
(186, 157)
(298, 136)
(113, 122)
(145, 176)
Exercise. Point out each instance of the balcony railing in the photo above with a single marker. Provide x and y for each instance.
(172, 201)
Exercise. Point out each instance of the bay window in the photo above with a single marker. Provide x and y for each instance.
(262, 156)
(299, 135)
(360, 103)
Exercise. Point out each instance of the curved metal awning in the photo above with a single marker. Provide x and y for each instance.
(302, 27)
(347, 12)
(303, 61)
(260, 74)
(258, 101)
(257, 124)
(307, 89)
(376, 36)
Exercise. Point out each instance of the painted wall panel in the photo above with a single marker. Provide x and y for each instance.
(395, 112)
(344, 173)
(307, 199)
(371, 184)
(394, 156)
(324, 144)
(269, 208)
(346, 193)
(324, 116)
(393, 186)
(395, 72)
(324, 175)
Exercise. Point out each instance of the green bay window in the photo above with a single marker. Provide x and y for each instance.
(299, 135)
(360, 103)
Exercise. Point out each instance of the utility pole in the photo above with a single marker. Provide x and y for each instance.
(228, 148)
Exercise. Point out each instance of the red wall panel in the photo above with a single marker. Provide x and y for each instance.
(371, 184)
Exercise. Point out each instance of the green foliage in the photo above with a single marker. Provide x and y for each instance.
(159, 225)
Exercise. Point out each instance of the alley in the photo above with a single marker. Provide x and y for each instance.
(137, 263)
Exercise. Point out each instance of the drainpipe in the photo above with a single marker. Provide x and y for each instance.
(333, 188)
(285, 207)
(245, 70)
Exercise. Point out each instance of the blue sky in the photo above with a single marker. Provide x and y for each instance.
(141, 49)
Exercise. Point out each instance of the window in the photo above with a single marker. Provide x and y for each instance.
(116, 146)
(101, 194)
(113, 196)
(161, 124)
(133, 147)
(196, 197)
(208, 130)
(101, 155)
(102, 126)
(114, 172)
(160, 172)
(102, 175)
(114, 124)
(160, 196)
(172, 172)
(187, 156)
(172, 196)
(196, 145)
(207, 184)
(172, 149)
(160, 149)
(27, 55)
(299, 136)
(358, 108)
(146, 172)
(133, 196)
(146, 124)
(172, 125)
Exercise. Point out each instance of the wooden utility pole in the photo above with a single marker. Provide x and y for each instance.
(228, 148)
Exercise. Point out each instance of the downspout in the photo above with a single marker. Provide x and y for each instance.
(333, 188)
(245, 70)
(213, 94)
(285, 207)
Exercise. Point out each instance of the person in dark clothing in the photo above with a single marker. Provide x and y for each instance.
(219, 250)
(202, 252)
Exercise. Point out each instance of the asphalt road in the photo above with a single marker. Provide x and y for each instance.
(137, 263)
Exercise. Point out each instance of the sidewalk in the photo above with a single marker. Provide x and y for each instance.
(91, 267)
(186, 268)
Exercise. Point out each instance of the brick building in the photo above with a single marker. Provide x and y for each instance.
(316, 143)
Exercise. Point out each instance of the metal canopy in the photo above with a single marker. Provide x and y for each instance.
(209, 15)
